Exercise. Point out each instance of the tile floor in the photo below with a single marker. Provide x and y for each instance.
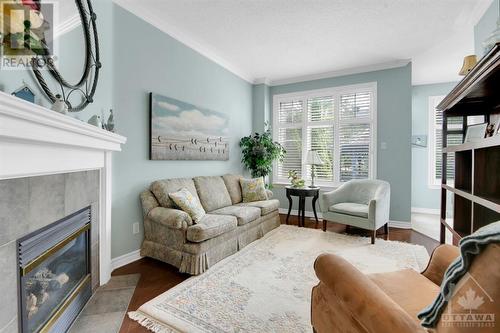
(106, 309)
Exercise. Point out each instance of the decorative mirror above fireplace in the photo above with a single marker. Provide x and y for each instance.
(76, 89)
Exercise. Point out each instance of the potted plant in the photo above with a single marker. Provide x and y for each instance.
(259, 152)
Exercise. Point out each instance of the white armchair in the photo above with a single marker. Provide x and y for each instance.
(359, 203)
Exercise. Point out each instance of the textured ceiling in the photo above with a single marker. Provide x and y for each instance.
(282, 39)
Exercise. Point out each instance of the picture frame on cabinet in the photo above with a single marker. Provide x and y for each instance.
(475, 132)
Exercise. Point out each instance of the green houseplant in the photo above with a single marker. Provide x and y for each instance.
(259, 152)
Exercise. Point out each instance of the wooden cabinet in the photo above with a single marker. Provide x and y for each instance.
(476, 185)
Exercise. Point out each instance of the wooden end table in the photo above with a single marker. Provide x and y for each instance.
(302, 193)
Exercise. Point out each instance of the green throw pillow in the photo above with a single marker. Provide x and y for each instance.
(253, 189)
(188, 203)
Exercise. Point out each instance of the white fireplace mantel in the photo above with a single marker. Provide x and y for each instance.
(36, 141)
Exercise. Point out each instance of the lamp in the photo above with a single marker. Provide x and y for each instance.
(469, 62)
(313, 159)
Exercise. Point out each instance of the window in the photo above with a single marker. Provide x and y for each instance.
(338, 123)
(454, 137)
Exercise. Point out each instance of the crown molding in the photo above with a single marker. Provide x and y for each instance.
(67, 25)
(262, 80)
(343, 72)
(163, 25)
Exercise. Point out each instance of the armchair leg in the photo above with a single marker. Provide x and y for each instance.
(324, 225)
(373, 236)
(386, 228)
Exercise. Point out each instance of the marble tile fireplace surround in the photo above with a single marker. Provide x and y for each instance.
(51, 166)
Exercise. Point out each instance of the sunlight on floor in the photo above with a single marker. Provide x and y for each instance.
(428, 224)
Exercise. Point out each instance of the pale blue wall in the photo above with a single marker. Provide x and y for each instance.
(260, 108)
(486, 25)
(394, 128)
(149, 60)
(423, 196)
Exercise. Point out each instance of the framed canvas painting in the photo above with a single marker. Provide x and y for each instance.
(183, 131)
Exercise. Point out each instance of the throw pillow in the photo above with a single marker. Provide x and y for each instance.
(188, 203)
(253, 189)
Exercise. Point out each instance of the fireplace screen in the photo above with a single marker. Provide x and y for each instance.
(57, 270)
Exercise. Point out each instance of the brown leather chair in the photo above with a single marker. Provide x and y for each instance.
(346, 300)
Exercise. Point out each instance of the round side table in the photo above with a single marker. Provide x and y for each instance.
(302, 193)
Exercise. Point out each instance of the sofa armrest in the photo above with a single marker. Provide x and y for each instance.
(171, 218)
(360, 298)
(148, 202)
(441, 258)
(269, 194)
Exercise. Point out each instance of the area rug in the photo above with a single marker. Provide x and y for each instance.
(266, 287)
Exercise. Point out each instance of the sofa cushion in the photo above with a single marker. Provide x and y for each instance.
(161, 189)
(253, 189)
(188, 203)
(211, 226)
(409, 289)
(243, 214)
(233, 187)
(350, 208)
(212, 192)
(266, 206)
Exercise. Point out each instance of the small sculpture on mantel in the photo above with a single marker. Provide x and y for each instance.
(60, 105)
(110, 125)
(96, 121)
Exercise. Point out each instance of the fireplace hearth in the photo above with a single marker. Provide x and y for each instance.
(54, 274)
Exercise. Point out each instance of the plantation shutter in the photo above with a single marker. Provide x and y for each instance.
(355, 135)
(337, 123)
(290, 115)
(454, 123)
(320, 135)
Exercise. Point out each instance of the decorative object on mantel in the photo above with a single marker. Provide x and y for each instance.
(96, 121)
(313, 159)
(25, 92)
(87, 84)
(475, 133)
(110, 124)
(295, 180)
(469, 62)
(60, 105)
(259, 152)
(183, 131)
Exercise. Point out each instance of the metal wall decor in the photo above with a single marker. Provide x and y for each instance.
(87, 84)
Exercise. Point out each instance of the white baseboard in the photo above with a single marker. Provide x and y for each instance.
(125, 259)
(419, 210)
(400, 224)
(392, 224)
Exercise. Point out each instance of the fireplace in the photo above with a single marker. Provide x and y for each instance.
(51, 166)
(55, 274)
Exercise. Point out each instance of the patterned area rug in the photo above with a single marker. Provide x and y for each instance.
(266, 287)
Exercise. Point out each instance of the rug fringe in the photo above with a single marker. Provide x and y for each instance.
(149, 323)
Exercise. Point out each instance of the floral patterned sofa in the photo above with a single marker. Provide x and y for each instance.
(229, 225)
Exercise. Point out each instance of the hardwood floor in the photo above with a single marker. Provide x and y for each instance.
(157, 277)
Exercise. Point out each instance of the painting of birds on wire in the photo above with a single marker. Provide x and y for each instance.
(183, 131)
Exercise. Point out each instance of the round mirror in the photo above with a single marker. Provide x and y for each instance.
(71, 67)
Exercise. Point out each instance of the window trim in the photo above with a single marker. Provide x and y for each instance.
(336, 92)
(432, 182)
